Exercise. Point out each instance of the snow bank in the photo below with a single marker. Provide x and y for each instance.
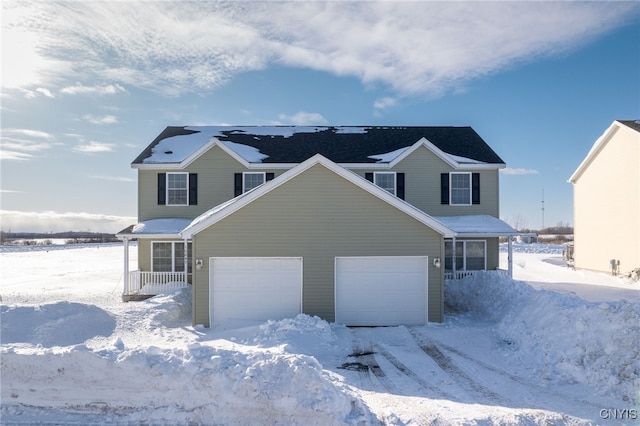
(567, 338)
(49, 350)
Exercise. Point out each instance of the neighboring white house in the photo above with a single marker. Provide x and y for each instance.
(606, 188)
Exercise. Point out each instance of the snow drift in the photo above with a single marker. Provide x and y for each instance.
(568, 338)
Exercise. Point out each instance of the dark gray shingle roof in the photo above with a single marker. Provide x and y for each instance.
(340, 144)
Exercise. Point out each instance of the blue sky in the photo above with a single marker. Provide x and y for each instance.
(87, 85)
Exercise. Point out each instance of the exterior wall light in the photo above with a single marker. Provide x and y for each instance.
(436, 262)
(198, 263)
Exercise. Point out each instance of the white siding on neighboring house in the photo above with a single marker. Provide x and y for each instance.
(607, 202)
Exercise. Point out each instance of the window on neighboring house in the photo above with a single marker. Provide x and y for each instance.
(470, 255)
(169, 256)
(252, 180)
(177, 189)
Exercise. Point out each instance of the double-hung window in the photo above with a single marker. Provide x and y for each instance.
(251, 180)
(169, 256)
(470, 255)
(460, 188)
(177, 189)
(386, 181)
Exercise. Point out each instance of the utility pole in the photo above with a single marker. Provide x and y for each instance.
(542, 208)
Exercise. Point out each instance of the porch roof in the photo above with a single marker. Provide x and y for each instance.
(477, 226)
(155, 228)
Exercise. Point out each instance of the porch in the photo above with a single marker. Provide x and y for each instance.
(141, 285)
(458, 275)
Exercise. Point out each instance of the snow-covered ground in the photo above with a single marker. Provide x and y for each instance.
(555, 346)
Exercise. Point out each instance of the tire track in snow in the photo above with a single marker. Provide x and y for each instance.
(368, 365)
(464, 380)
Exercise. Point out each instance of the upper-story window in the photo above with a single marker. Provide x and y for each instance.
(246, 181)
(391, 182)
(250, 180)
(386, 181)
(177, 189)
(460, 188)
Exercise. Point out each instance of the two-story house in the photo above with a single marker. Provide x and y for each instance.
(358, 225)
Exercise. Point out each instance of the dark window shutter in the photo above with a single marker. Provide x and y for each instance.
(237, 184)
(269, 176)
(400, 185)
(369, 177)
(162, 189)
(475, 188)
(444, 188)
(193, 189)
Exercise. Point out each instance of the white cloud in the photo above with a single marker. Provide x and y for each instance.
(384, 103)
(518, 171)
(177, 47)
(93, 147)
(301, 118)
(24, 144)
(51, 221)
(79, 89)
(107, 119)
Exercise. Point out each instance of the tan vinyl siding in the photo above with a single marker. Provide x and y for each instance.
(318, 215)
(422, 169)
(215, 170)
(607, 206)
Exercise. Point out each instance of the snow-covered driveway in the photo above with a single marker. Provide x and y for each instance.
(508, 353)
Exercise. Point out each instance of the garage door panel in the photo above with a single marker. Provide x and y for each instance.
(255, 288)
(381, 290)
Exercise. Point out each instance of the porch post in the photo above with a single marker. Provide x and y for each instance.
(186, 261)
(126, 265)
(510, 257)
(453, 256)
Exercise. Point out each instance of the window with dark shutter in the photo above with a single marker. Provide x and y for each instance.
(270, 176)
(237, 184)
(162, 189)
(400, 185)
(475, 188)
(444, 188)
(193, 189)
(369, 177)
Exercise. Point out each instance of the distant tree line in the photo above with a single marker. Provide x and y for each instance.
(70, 237)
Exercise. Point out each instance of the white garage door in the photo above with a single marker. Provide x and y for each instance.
(254, 288)
(378, 291)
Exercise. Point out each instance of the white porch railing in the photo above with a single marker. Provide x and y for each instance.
(458, 275)
(152, 283)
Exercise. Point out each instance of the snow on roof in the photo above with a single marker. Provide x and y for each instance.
(389, 156)
(248, 153)
(476, 225)
(171, 226)
(464, 160)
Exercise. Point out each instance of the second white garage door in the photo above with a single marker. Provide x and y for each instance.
(381, 291)
(254, 288)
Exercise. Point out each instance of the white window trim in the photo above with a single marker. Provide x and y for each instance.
(395, 181)
(244, 188)
(173, 255)
(451, 203)
(167, 189)
(463, 267)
